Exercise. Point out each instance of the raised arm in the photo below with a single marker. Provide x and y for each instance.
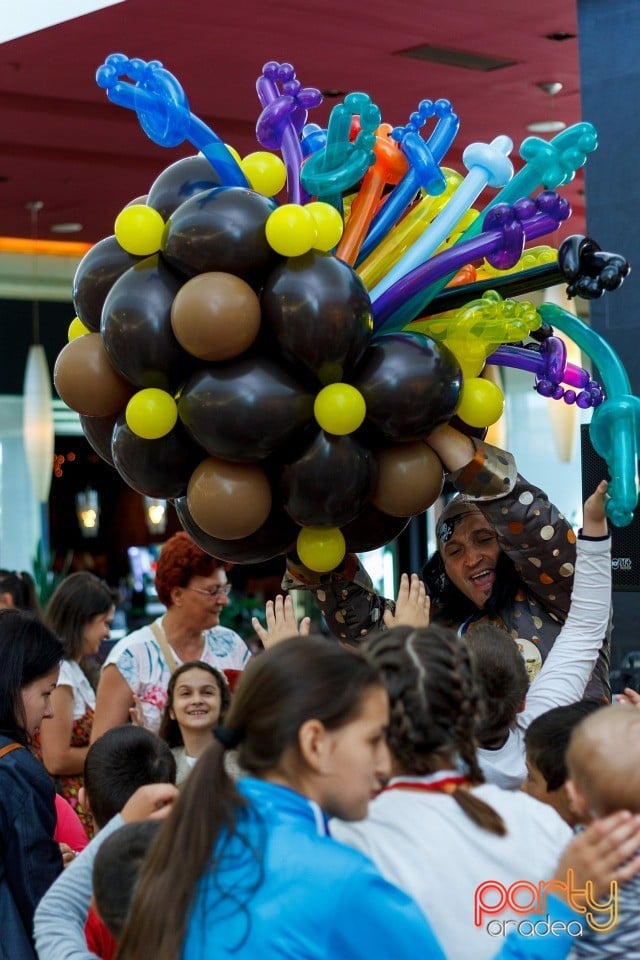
(570, 662)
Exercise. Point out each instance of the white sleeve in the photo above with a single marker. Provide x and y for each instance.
(570, 662)
(61, 915)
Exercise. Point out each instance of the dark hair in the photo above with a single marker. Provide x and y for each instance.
(28, 651)
(181, 559)
(432, 697)
(547, 738)
(22, 589)
(300, 679)
(169, 727)
(74, 603)
(501, 678)
(451, 607)
(121, 760)
(116, 870)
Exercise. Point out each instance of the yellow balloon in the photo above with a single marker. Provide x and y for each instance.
(328, 224)
(339, 409)
(151, 413)
(265, 172)
(234, 153)
(76, 329)
(321, 548)
(481, 402)
(291, 230)
(139, 230)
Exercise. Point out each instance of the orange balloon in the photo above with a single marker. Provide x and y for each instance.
(227, 500)
(215, 316)
(86, 381)
(410, 479)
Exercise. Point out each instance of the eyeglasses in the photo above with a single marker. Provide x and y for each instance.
(214, 592)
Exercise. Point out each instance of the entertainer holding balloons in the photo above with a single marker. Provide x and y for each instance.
(281, 344)
(505, 555)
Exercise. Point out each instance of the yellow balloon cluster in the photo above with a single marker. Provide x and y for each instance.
(472, 332)
(321, 548)
(139, 230)
(292, 230)
(339, 409)
(151, 413)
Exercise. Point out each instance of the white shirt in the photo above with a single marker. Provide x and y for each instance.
(141, 662)
(565, 673)
(72, 675)
(425, 844)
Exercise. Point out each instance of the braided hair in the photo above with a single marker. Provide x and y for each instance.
(433, 703)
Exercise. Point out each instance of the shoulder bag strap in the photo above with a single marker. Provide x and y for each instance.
(163, 643)
(9, 749)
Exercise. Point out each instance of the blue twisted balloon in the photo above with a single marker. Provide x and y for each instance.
(163, 111)
(424, 166)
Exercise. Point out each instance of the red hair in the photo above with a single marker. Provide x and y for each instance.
(181, 559)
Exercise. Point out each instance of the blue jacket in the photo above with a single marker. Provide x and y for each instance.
(296, 893)
(30, 860)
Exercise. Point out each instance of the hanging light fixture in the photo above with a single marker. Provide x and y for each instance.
(88, 512)
(155, 514)
(38, 429)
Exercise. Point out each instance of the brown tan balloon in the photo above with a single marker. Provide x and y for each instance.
(215, 316)
(228, 500)
(86, 381)
(409, 479)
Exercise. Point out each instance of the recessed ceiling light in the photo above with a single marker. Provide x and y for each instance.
(66, 228)
(546, 126)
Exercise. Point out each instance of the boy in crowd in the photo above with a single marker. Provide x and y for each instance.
(546, 742)
(125, 763)
(603, 761)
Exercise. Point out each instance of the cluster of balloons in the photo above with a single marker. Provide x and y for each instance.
(273, 368)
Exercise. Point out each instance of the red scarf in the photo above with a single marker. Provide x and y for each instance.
(448, 783)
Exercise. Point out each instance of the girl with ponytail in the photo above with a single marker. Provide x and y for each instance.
(437, 830)
(248, 869)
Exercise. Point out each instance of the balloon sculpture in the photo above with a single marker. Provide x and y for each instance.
(273, 368)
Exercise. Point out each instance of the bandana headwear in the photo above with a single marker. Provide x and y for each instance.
(455, 511)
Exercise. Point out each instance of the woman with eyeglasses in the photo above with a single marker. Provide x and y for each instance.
(194, 588)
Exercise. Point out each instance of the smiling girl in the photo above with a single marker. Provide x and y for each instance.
(197, 699)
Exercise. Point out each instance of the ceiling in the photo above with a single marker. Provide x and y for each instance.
(63, 143)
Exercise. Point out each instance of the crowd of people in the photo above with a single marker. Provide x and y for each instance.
(444, 777)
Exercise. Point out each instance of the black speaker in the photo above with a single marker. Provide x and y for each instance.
(625, 541)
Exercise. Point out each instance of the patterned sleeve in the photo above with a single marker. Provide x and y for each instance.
(531, 530)
(346, 597)
(125, 659)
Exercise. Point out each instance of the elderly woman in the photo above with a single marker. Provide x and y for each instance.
(194, 588)
(505, 555)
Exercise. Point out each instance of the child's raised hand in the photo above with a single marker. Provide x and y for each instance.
(281, 622)
(595, 518)
(412, 604)
(150, 802)
(136, 713)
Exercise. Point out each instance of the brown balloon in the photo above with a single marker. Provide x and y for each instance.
(215, 316)
(86, 381)
(410, 479)
(228, 501)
